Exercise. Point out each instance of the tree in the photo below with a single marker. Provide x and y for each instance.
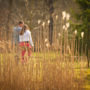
(49, 3)
(9, 14)
(84, 25)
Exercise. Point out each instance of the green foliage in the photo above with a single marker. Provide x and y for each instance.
(82, 23)
(82, 17)
(84, 4)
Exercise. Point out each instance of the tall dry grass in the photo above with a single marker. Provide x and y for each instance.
(37, 73)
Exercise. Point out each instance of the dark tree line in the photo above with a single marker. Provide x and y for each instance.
(84, 17)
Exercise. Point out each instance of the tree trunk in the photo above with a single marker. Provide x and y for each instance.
(51, 29)
(8, 19)
(51, 10)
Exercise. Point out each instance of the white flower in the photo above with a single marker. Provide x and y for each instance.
(48, 21)
(56, 17)
(64, 27)
(43, 24)
(75, 32)
(67, 16)
(46, 40)
(67, 25)
(39, 21)
(59, 34)
(82, 34)
(47, 45)
(64, 14)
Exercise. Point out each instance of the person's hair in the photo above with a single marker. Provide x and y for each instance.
(20, 22)
(25, 27)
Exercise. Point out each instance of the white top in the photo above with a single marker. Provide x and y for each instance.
(26, 37)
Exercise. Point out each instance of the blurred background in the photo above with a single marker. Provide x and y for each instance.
(61, 54)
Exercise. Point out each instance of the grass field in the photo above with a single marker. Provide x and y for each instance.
(43, 71)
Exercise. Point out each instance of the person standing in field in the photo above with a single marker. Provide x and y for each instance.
(16, 32)
(25, 42)
(15, 39)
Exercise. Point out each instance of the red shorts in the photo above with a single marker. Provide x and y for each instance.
(24, 44)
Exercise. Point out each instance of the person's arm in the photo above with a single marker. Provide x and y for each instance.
(31, 42)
